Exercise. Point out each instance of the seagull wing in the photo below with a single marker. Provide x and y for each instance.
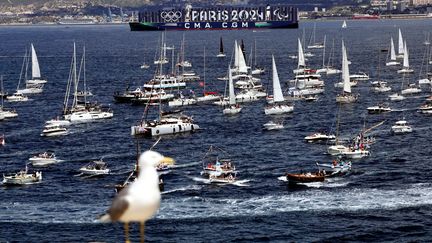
(119, 205)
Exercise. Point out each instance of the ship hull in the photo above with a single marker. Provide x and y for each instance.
(148, 26)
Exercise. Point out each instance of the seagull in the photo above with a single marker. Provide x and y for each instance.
(139, 201)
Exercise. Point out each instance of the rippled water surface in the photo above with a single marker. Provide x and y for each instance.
(387, 197)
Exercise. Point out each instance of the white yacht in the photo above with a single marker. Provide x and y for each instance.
(164, 82)
(377, 109)
(54, 130)
(401, 127)
(359, 76)
(164, 126)
(182, 101)
(396, 97)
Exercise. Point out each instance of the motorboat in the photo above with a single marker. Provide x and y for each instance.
(377, 109)
(220, 166)
(182, 101)
(359, 76)
(164, 82)
(320, 137)
(426, 108)
(8, 113)
(83, 93)
(271, 125)
(412, 89)
(222, 178)
(341, 84)
(401, 127)
(96, 167)
(22, 177)
(380, 87)
(52, 130)
(346, 98)
(17, 97)
(336, 168)
(208, 96)
(2, 140)
(396, 97)
(44, 159)
(307, 177)
(355, 153)
(277, 109)
(127, 96)
(144, 66)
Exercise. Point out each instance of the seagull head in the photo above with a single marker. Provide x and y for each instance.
(150, 159)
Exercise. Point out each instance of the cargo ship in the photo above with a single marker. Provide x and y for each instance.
(217, 18)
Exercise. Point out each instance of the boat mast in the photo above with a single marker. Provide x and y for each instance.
(2, 91)
(324, 43)
(204, 78)
(84, 76)
(22, 69)
(68, 87)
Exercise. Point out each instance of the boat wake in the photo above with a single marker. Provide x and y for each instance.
(348, 199)
(181, 189)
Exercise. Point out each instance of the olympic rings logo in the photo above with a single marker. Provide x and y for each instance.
(171, 16)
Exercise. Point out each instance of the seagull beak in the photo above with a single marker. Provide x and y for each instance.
(167, 160)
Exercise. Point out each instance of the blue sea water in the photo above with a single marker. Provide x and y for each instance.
(387, 197)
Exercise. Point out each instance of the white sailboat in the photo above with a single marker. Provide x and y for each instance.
(82, 113)
(36, 75)
(233, 107)
(301, 63)
(207, 95)
(324, 68)
(406, 67)
(427, 78)
(344, 25)
(330, 65)
(346, 96)
(277, 107)
(312, 43)
(401, 49)
(392, 61)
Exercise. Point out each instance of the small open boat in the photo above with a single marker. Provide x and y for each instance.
(222, 178)
(97, 167)
(271, 125)
(306, 177)
(22, 178)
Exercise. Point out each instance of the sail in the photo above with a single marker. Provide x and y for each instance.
(242, 68)
(392, 50)
(277, 91)
(232, 98)
(300, 55)
(344, 24)
(401, 44)
(345, 70)
(236, 55)
(35, 64)
(221, 49)
(405, 60)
